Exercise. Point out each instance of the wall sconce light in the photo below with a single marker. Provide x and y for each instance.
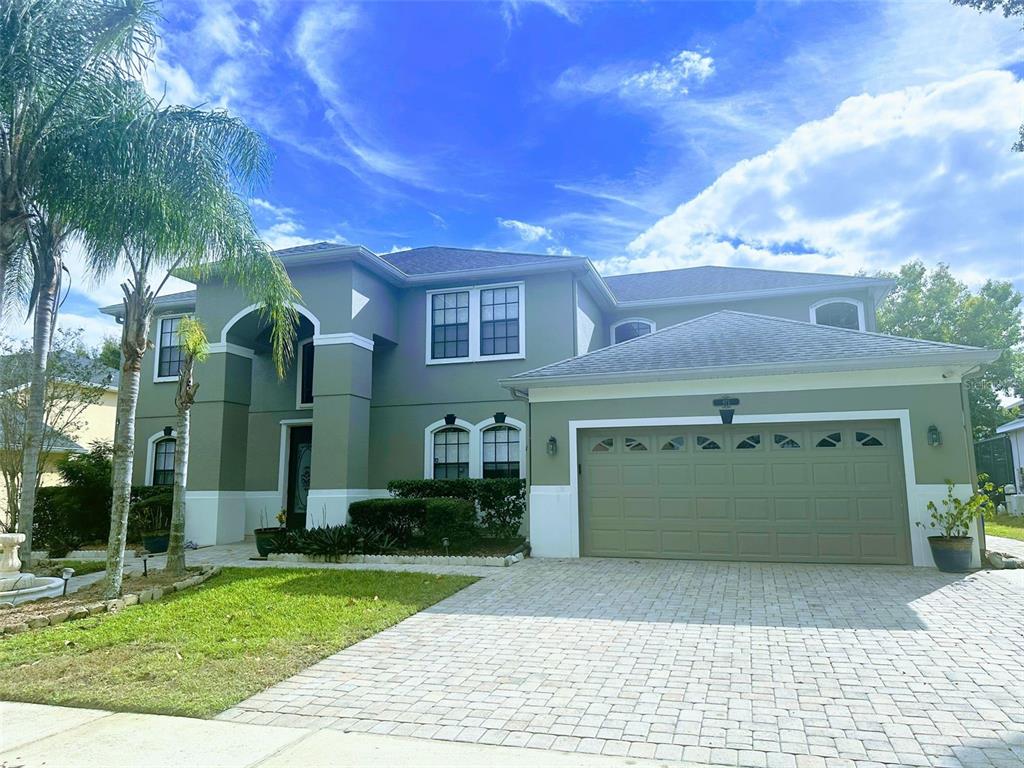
(449, 419)
(552, 446)
(934, 436)
(726, 407)
(168, 431)
(499, 417)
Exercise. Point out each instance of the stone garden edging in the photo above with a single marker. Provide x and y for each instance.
(484, 560)
(112, 606)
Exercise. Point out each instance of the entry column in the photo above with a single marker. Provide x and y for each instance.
(342, 380)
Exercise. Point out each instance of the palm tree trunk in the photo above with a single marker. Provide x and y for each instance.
(42, 333)
(138, 303)
(176, 546)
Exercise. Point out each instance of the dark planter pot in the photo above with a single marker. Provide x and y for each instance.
(155, 543)
(265, 538)
(952, 555)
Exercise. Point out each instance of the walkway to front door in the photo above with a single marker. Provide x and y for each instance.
(721, 663)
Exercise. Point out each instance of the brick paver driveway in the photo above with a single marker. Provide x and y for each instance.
(720, 663)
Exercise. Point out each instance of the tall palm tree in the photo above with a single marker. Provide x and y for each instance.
(54, 56)
(166, 194)
(194, 344)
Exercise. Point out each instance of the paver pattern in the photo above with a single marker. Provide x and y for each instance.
(780, 666)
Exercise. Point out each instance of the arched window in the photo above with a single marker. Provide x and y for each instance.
(163, 462)
(839, 313)
(624, 330)
(500, 451)
(451, 453)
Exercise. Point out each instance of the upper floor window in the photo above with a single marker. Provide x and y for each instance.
(163, 462)
(624, 330)
(169, 353)
(307, 353)
(470, 324)
(839, 313)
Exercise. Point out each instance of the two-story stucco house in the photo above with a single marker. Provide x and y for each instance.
(601, 391)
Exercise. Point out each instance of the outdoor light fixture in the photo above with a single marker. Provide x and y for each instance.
(449, 419)
(168, 431)
(499, 417)
(726, 407)
(145, 563)
(66, 574)
(934, 436)
(552, 446)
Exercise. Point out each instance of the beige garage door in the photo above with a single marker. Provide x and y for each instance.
(772, 492)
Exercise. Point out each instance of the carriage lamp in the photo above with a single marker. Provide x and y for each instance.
(499, 417)
(552, 446)
(934, 436)
(66, 574)
(449, 419)
(726, 407)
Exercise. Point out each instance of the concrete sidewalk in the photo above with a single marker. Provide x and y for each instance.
(40, 736)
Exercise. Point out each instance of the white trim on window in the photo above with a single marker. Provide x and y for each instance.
(476, 464)
(151, 452)
(301, 344)
(474, 324)
(617, 323)
(839, 300)
(157, 378)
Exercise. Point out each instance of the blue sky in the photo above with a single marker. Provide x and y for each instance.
(816, 136)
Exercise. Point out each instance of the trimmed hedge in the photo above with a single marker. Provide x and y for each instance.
(501, 501)
(423, 521)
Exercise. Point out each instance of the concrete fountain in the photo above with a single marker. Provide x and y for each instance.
(17, 587)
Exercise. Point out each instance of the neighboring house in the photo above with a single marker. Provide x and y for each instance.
(95, 423)
(1014, 432)
(445, 362)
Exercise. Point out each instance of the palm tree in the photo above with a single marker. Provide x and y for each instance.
(55, 55)
(165, 194)
(192, 338)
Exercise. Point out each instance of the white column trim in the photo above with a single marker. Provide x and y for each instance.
(329, 339)
(234, 349)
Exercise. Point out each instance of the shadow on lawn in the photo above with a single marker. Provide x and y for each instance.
(366, 585)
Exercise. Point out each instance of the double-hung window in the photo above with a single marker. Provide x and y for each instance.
(169, 353)
(472, 324)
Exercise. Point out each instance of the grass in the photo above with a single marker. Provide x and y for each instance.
(204, 650)
(1009, 526)
(82, 567)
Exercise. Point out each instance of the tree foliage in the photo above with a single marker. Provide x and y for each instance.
(935, 305)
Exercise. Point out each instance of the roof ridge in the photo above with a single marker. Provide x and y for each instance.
(747, 269)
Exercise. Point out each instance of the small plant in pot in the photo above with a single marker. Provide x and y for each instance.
(952, 548)
(152, 519)
(268, 536)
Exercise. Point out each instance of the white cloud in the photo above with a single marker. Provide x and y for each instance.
(438, 220)
(529, 233)
(511, 10)
(685, 67)
(922, 172)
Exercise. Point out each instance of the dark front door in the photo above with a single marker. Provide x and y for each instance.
(300, 454)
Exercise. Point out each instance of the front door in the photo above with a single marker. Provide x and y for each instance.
(300, 454)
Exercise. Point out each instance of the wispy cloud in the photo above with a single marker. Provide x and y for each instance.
(528, 233)
(280, 226)
(511, 10)
(629, 80)
(686, 67)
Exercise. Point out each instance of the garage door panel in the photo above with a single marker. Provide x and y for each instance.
(810, 493)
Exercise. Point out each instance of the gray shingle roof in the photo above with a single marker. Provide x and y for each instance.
(53, 441)
(180, 299)
(436, 259)
(737, 341)
(713, 281)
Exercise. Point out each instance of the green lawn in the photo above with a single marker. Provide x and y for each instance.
(82, 567)
(201, 651)
(1009, 526)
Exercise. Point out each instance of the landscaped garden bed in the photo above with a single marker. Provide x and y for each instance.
(136, 589)
(199, 652)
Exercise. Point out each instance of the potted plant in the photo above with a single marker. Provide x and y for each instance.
(268, 536)
(952, 548)
(151, 510)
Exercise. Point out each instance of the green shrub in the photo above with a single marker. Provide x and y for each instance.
(501, 501)
(150, 510)
(78, 511)
(399, 519)
(333, 541)
(452, 519)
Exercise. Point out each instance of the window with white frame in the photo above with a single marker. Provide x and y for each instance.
(170, 354)
(631, 329)
(163, 462)
(500, 451)
(451, 453)
(307, 354)
(839, 313)
(469, 324)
